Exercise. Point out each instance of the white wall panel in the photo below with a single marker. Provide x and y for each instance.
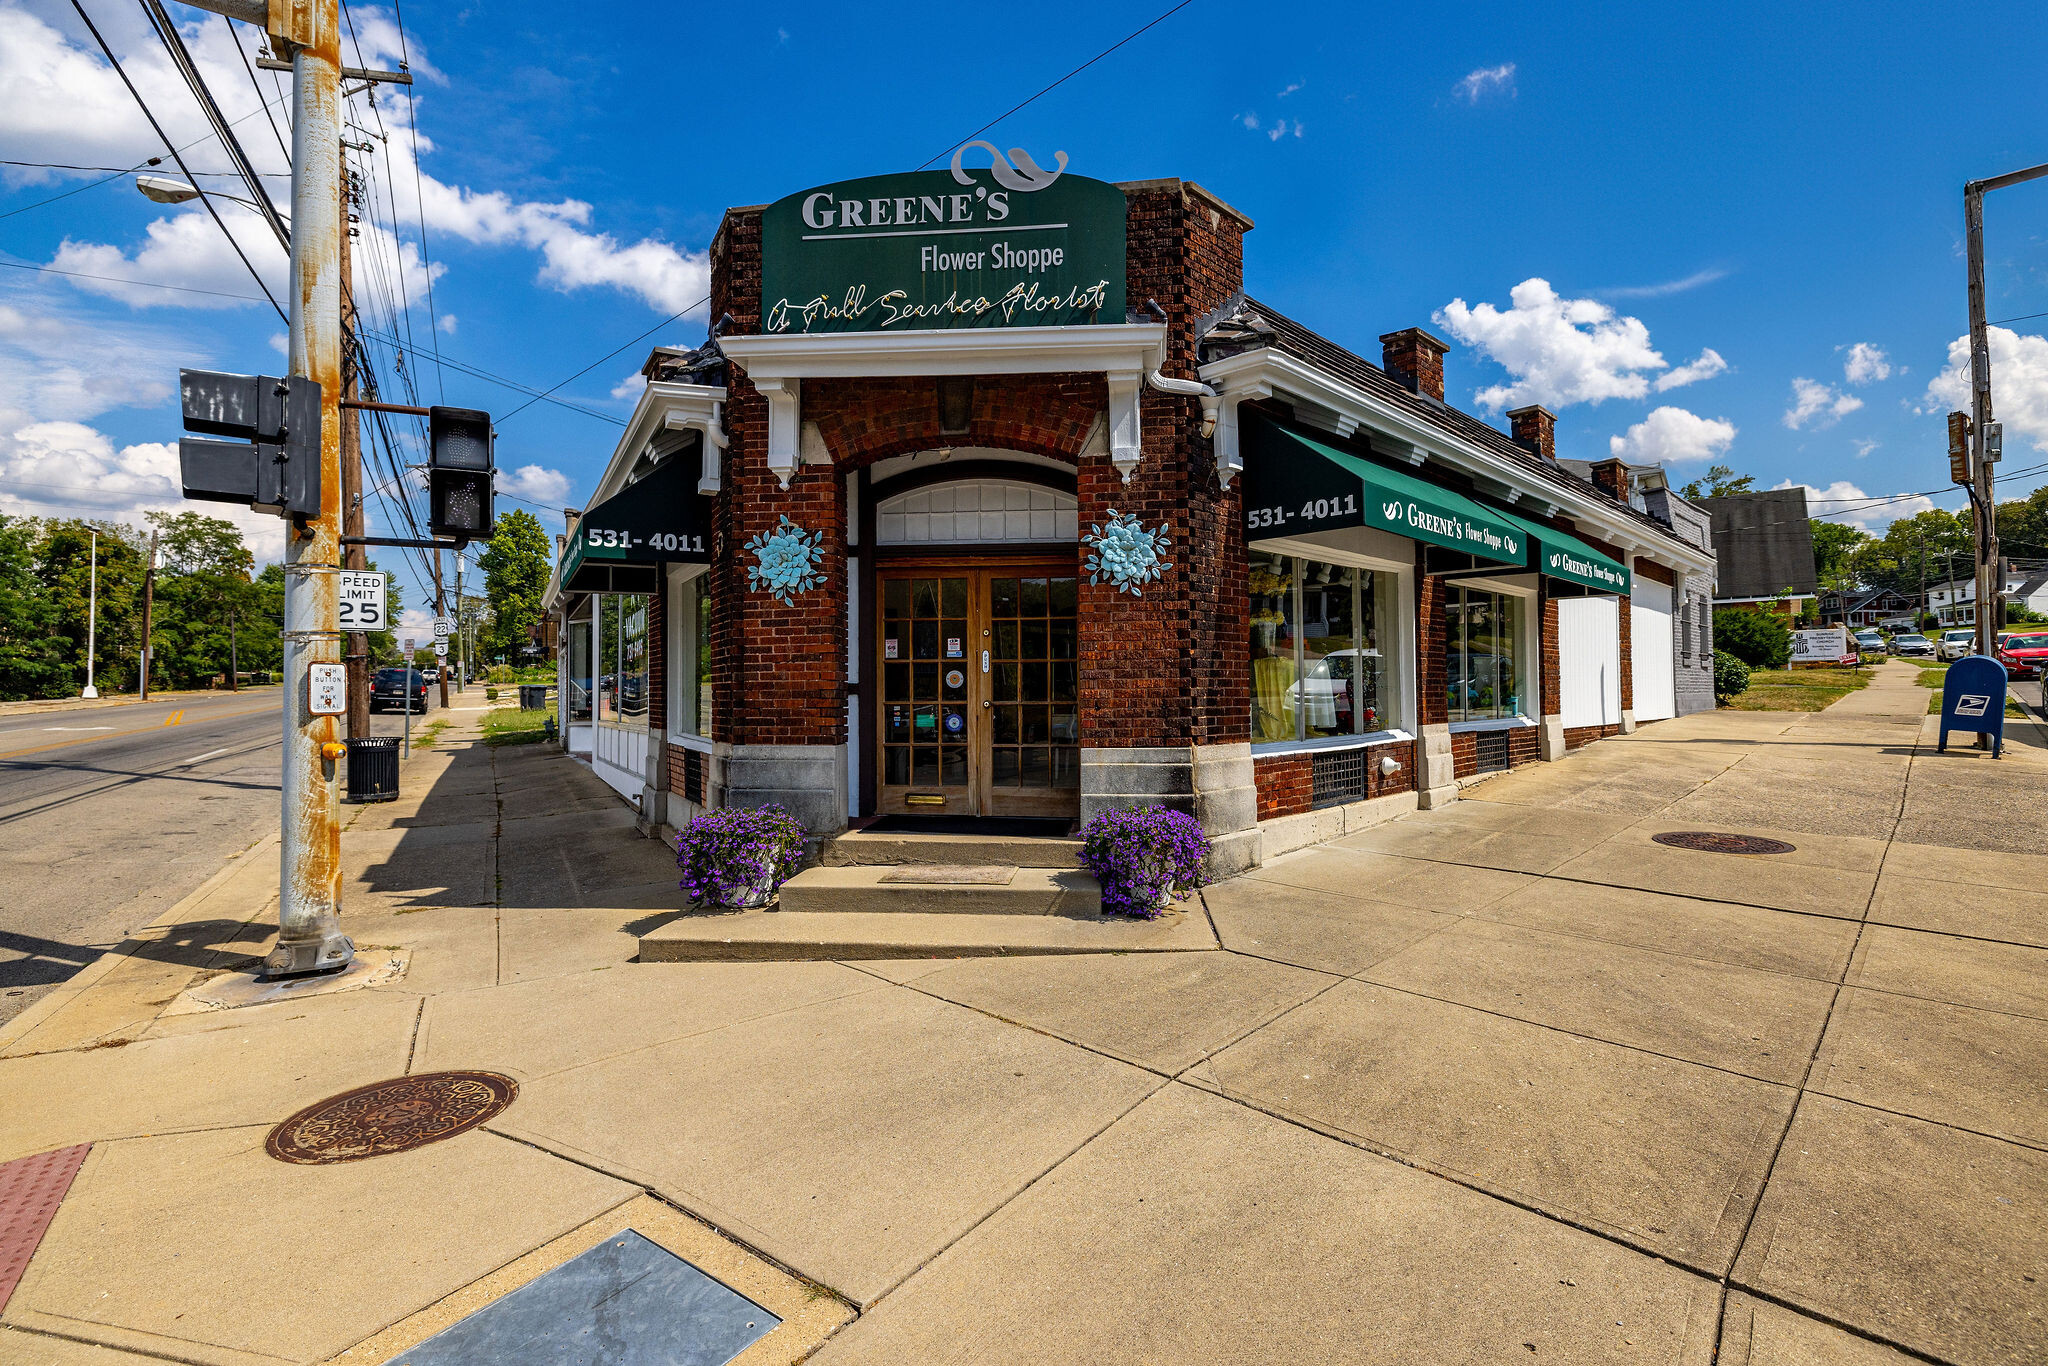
(1589, 660)
(1650, 642)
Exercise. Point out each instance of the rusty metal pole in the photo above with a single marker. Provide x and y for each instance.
(309, 937)
(440, 610)
(356, 658)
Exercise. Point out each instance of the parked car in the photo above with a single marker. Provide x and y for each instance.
(388, 689)
(1957, 644)
(1912, 644)
(2024, 656)
(1870, 642)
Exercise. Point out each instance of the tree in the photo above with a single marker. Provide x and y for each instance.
(1917, 551)
(32, 660)
(2023, 524)
(64, 567)
(1757, 638)
(206, 599)
(516, 568)
(1718, 482)
(1833, 544)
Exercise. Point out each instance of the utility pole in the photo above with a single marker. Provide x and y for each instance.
(357, 656)
(92, 614)
(148, 604)
(440, 610)
(309, 937)
(1990, 583)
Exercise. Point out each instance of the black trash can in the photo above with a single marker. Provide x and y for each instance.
(533, 697)
(373, 768)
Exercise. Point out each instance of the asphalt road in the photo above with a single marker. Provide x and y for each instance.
(110, 815)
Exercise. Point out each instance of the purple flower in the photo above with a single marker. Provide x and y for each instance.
(1144, 857)
(735, 854)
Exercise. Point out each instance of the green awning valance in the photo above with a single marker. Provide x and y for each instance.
(621, 544)
(1564, 556)
(1295, 485)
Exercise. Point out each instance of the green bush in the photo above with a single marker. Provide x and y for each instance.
(490, 694)
(1731, 676)
(1759, 639)
(502, 673)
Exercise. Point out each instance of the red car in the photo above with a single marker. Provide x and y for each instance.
(2024, 656)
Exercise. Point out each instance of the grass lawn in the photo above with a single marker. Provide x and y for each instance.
(511, 726)
(1797, 689)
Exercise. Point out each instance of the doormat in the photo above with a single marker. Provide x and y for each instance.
(952, 874)
(626, 1302)
(31, 1188)
(988, 827)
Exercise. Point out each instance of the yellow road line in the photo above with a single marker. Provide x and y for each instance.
(115, 735)
(175, 717)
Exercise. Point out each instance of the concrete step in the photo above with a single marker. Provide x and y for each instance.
(858, 847)
(942, 889)
(804, 936)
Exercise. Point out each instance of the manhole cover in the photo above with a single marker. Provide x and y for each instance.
(391, 1117)
(1718, 842)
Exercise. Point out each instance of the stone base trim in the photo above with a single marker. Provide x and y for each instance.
(1437, 780)
(1552, 743)
(1213, 783)
(808, 780)
(1284, 834)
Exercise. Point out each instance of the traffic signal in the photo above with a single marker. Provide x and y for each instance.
(1959, 448)
(274, 464)
(459, 474)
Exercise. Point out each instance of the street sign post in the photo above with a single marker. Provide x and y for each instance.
(364, 600)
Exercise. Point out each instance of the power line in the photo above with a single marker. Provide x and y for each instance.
(549, 391)
(176, 156)
(419, 201)
(1128, 38)
(174, 47)
(119, 280)
(124, 170)
(235, 36)
(2020, 319)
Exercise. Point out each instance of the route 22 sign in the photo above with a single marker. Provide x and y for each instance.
(362, 601)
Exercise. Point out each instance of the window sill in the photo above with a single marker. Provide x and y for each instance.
(700, 743)
(1276, 748)
(1498, 723)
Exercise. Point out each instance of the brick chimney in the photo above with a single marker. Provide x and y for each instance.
(1611, 478)
(1416, 359)
(1535, 427)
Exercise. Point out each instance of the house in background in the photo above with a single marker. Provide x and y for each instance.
(1864, 607)
(1763, 547)
(2026, 583)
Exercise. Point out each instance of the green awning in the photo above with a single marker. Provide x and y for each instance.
(1566, 557)
(621, 544)
(1295, 485)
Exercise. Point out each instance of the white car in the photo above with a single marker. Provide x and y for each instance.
(1956, 645)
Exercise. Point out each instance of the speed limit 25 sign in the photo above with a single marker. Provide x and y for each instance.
(362, 600)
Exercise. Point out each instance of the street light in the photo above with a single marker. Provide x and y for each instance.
(164, 190)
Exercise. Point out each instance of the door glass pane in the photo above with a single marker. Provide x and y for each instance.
(953, 597)
(608, 658)
(1034, 598)
(1002, 598)
(924, 665)
(579, 667)
(1272, 647)
(633, 672)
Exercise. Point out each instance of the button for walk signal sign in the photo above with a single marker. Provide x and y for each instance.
(362, 601)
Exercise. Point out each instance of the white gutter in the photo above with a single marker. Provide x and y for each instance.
(1267, 371)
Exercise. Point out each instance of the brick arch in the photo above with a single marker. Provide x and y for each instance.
(866, 420)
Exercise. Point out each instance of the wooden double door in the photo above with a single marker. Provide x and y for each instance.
(979, 708)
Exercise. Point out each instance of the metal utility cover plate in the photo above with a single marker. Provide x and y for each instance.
(626, 1302)
(1720, 842)
(956, 874)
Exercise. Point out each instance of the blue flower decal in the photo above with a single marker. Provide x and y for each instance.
(1124, 555)
(785, 561)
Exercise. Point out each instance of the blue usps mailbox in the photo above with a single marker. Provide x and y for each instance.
(1973, 698)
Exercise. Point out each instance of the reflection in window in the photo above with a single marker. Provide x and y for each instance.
(1316, 651)
(690, 659)
(579, 662)
(1482, 637)
(633, 672)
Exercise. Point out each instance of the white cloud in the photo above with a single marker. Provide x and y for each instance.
(2019, 384)
(69, 469)
(1486, 80)
(448, 323)
(535, 484)
(1660, 290)
(1564, 351)
(1842, 501)
(630, 386)
(1864, 446)
(1292, 86)
(1820, 405)
(1250, 121)
(1708, 365)
(1866, 363)
(1281, 128)
(1669, 435)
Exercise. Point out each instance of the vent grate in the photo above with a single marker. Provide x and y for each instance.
(1337, 777)
(1490, 750)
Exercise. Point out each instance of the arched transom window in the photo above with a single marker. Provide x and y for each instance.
(977, 510)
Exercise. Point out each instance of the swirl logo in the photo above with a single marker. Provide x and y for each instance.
(1392, 511)
(1017, 172)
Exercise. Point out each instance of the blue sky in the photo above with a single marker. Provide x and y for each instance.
(1734, 237)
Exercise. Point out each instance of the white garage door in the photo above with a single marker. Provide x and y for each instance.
(1649, 625)
(1589, 660)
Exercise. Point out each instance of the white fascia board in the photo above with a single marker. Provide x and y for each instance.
(650, 418)
(1277, 372)
(1112, 348)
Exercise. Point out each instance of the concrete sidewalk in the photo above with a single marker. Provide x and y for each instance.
(1506, 1081)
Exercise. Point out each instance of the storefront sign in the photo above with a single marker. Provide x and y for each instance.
(1823, 645)
(620, 543)
(1006, 246)
(1586, 570)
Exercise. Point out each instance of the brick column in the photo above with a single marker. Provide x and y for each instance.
(1625, 623)
(1551, 742)
(1435, 766)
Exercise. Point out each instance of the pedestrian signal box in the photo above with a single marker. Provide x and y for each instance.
(272, 463)
(460, 473)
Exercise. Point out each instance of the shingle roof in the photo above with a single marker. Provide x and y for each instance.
(1251, 324)
(1764, 544)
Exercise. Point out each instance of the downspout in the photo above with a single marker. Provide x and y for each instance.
(1185, 388)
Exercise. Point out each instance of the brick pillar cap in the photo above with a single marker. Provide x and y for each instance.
(1532, 408)
(1422, 335)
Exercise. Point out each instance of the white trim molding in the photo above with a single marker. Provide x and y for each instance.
(1124, 353)
(1328, 402)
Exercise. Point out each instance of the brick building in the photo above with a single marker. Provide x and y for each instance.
(992, 497)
